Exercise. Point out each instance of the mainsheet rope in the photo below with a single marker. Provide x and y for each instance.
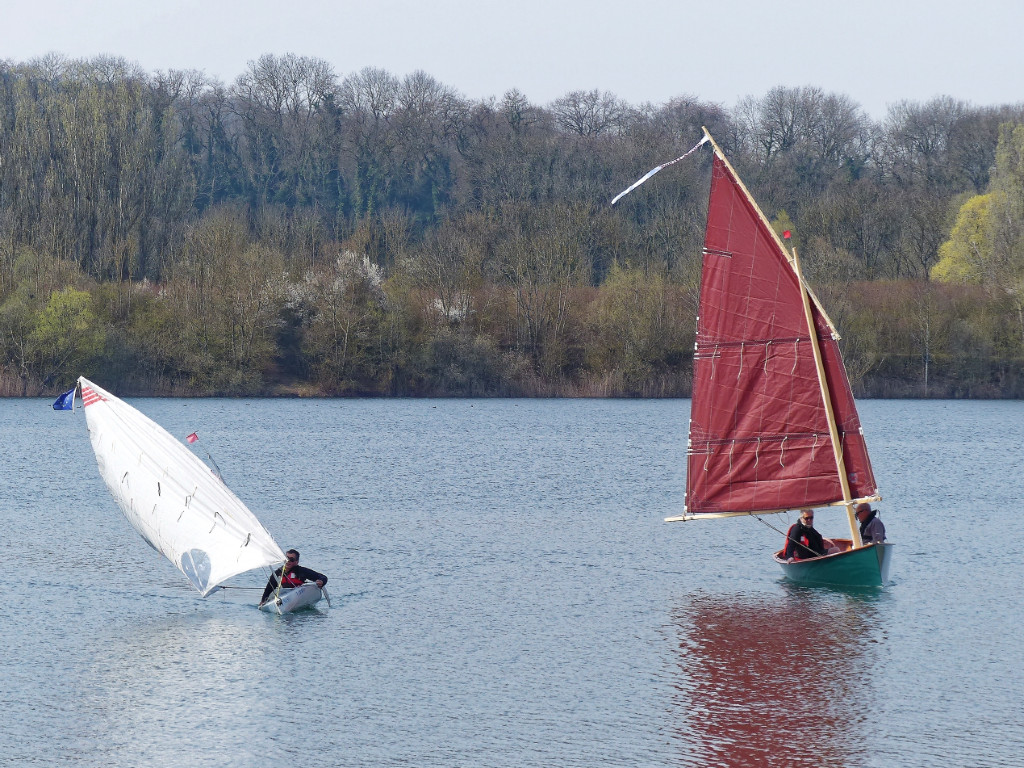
(232, 586)
(786, 536)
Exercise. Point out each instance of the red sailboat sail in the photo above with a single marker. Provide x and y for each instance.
(759, 431)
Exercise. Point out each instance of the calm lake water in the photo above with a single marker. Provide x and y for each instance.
(505, 593)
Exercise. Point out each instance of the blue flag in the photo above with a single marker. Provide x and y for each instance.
(65, 402)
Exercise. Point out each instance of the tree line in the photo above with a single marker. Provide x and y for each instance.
(302, 232)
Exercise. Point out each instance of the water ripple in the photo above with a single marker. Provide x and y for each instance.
(506, 594)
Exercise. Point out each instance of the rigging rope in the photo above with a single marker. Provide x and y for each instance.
(232, 586)
(786, 536)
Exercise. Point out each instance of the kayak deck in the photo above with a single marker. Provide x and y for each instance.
(293, 599)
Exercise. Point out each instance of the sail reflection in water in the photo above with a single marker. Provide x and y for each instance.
(773, 680)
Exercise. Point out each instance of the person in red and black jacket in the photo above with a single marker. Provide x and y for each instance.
(802, 541)
(295, 575)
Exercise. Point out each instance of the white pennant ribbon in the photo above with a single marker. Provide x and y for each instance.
(650, 173)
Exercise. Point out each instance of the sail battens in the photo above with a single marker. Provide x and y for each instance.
(759, 428)
(713, 252)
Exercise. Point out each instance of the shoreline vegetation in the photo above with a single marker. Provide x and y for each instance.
(299, 233)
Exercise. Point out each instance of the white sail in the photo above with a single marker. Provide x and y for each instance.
(171, 497)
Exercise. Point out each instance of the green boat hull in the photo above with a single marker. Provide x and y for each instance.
(864, 567)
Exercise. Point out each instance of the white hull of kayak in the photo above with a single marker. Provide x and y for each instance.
(293, 599)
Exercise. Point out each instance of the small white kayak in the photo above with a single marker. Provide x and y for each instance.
(290, 600)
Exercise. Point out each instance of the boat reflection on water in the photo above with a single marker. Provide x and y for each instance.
(769, 679)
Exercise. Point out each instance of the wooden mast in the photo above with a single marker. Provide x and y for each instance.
(833, 430)
(837, 446)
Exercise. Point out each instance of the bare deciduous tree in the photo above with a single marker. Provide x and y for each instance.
(590, 113)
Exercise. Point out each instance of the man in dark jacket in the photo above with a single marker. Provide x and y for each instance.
(291, 575)
(872, 531)
(802, 541)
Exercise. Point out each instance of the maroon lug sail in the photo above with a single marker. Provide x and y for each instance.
(759, 432)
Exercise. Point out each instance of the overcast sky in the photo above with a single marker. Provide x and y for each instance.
(876, 51)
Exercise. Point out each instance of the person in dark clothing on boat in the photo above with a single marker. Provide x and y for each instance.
(872, 530)
(294, 575)
(802, 541)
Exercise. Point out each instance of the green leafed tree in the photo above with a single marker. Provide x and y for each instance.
(986, 245)
(965, 256)
(67, 335)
